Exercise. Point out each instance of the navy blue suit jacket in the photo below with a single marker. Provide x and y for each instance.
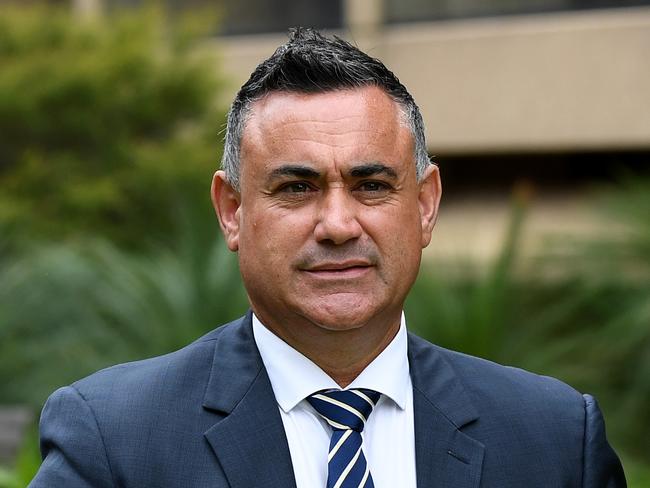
(205, 416)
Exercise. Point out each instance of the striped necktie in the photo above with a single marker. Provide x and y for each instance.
(346, 411)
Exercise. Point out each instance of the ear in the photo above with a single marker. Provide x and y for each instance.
(226, 202)
(429, 201)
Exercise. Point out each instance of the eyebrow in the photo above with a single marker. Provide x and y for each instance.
(297, 171)
(365, 170)
(360, 171)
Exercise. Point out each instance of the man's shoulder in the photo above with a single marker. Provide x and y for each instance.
(496, 387)
(149, 378)
(530, 426)
(474, 371)
(128, 421)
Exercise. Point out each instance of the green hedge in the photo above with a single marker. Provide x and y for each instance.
(108, 138)
(104, 124)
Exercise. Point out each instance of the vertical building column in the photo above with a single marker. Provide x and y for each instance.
(87, 9)
(364, 21)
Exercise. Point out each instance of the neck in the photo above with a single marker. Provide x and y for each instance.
(346, 359)
(342, 354)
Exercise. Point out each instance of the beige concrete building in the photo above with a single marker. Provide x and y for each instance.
(554, 81)
(512, 91)
(554, 92)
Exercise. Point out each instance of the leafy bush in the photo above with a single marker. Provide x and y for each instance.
(108, 139)
(26, 465)
(68, 310)
(108, 129)
(580, 313)
(467, 309)
(104, 124)
(599, 314)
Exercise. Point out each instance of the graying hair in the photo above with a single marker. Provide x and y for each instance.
(312, 63)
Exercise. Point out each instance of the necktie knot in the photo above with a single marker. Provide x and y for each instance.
(345, 409)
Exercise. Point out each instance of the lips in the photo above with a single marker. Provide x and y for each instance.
(338, 266)
(339, 270)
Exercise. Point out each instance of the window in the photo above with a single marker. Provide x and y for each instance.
(259, 16)
(421, 10)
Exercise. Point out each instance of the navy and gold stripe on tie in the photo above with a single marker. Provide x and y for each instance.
(346, 411)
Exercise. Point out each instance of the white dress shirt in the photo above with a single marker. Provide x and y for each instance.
(389, 435)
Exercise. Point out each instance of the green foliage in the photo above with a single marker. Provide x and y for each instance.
(26, 466)
(637, 473)
(104, 124)
(465, 310)
(604, 307)
(68, 310)
(108, 129)
(580, 313)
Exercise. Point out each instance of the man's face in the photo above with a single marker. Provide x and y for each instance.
(330, 221)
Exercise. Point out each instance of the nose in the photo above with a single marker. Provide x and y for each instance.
(337, 218)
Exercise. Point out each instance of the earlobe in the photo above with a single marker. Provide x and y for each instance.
(429, 201)
(226, 202)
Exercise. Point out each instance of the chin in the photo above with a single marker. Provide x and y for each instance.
(336, 324)
(342, 313)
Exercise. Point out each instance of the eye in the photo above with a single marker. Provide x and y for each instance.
(296, 187)
(373, 186)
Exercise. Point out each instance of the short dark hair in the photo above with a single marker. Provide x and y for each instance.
(312, 63)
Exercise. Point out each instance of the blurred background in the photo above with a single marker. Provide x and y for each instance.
(111, 125)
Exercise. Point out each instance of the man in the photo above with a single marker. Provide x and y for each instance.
(328, 197)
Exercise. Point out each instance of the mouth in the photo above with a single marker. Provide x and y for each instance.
(347, 269)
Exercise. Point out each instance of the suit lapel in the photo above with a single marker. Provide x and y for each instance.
(249, 440)
(445, 456)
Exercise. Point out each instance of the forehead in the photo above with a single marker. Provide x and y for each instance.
(370, 98)
(361, 122)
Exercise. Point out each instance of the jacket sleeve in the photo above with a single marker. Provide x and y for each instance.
(601, 466)
(74, 455)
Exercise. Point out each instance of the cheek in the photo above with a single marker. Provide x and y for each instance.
(398, 236)
(397, 227)
(273, 237)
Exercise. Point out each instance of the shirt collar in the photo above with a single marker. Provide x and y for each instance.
(294, 377)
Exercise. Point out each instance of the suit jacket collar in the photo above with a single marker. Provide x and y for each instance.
(445, 456)
(249, 438)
